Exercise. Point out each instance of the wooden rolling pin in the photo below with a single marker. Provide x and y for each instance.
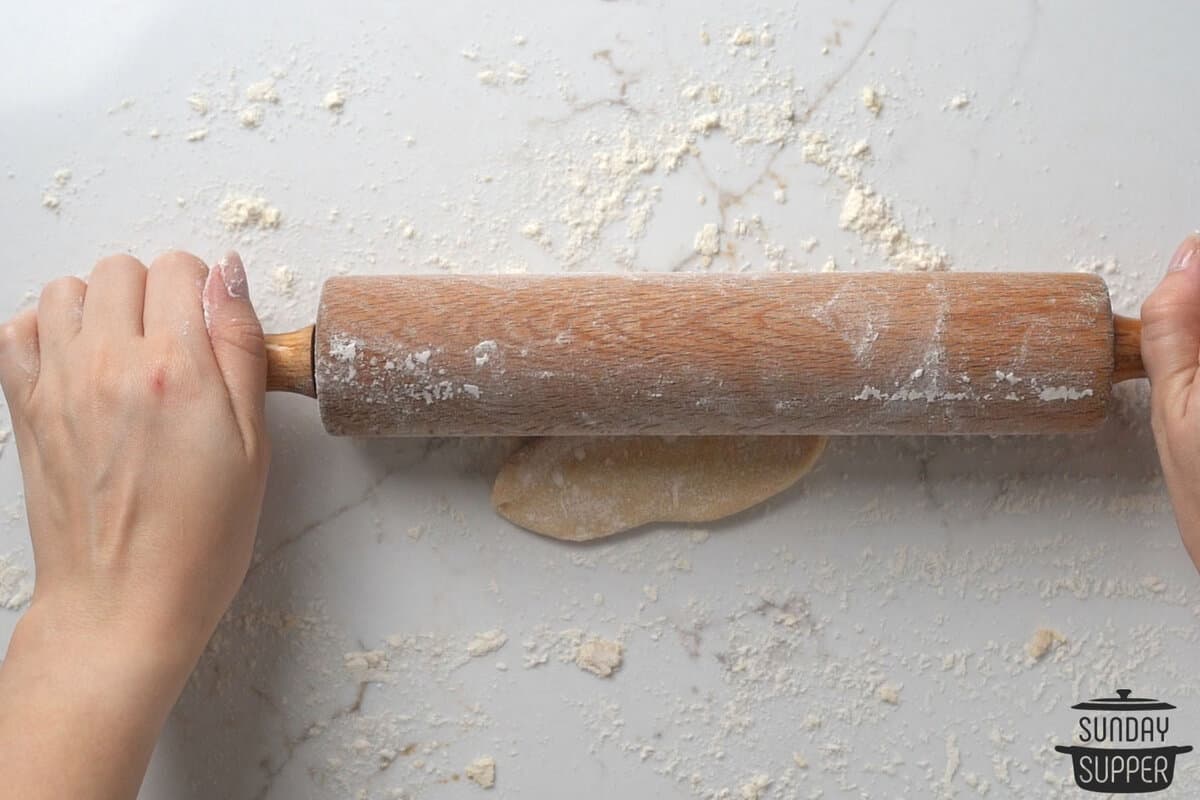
(866, 353)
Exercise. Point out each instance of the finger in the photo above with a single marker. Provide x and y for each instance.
(116, 296)
(237, 342)
(1171, 330)
(19, 359)
(60, 314)
(174, 306)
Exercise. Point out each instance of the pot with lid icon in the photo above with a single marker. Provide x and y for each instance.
(1123, 745)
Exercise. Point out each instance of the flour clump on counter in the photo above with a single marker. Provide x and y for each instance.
(334, 101)
(741, 37)
(872, 100)
(958, 102)
(239, 211)
(482, 771)
(262, 92)
(486, 642)
(1042, 642)
(868, 214)
(251, 116)
(517, 73)
(368, 665)
(15, 588)
(755, 788)
(198, 103)
(600, 657)
(889, 693)
(708, 243)
(283, 279)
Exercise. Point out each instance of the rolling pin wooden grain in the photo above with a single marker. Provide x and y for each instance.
(863, 353)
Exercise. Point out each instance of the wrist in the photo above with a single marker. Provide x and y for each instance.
(107, 667)
(80, 712)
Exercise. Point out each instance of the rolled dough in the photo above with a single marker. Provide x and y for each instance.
(581, 488)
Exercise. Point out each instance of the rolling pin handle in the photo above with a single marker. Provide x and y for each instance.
(290, 362)
(1127, 349)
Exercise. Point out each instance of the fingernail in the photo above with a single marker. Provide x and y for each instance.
(233, 275)
(1187, 255)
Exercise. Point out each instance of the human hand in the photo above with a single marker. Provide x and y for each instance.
(137, 404)
(1171, 353)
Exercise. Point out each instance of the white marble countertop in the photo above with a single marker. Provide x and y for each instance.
(553, 136)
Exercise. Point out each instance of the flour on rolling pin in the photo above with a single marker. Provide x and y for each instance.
(415, 379)
(865, 353)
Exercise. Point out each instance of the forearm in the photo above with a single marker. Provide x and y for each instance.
(79, 714)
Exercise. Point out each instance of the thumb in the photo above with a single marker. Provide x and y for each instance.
(1171, 330)
(237, 342)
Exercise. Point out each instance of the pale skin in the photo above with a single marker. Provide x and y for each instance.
(144, 454)
(1171, 351)
(139, 423)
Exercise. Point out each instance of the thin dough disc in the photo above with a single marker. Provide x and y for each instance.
(580, 488)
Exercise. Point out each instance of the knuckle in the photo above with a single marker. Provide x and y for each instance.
(120, 393)
(1165, 304)
(109, 379)
(1159, 314)
(244, 334)
(178, 261)
(101, 376)
(1153, 307)
(63, 289)
(20, 331)
(97, 384)
(117, 266)
(14, 339)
